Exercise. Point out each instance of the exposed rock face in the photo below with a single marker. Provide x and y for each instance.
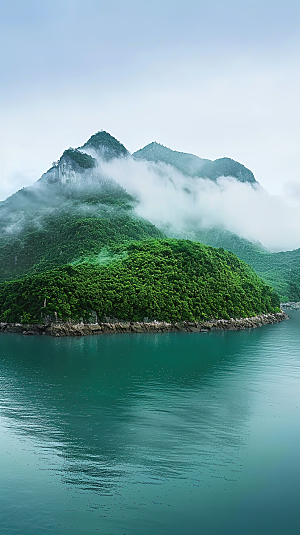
(70, 168)
(77, 166)
(70, 329)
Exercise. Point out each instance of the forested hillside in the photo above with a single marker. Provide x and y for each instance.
(173, 280)
(71, 212)
(279, 270)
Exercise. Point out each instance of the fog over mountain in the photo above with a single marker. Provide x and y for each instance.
(99, 194)
(174, 188)
(192, 165)
(171, 189)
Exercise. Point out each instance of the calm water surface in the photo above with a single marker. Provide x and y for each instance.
(182, 434)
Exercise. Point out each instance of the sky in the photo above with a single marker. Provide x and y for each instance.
(213, 78)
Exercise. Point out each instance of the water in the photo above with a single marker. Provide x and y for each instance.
(179, 433)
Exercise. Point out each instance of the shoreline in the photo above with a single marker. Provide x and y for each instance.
(291, 305)
(114, 327)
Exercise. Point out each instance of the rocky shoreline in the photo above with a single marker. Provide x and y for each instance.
(113, 327)
(291, 305)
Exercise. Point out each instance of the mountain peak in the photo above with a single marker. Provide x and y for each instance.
(72, 164)
(105, 145)
(188, 164)
(228, 167)
(192, 165)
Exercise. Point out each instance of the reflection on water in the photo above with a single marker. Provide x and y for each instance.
(162, 433)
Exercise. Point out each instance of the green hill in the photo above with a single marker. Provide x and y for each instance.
(171, 280)
(279, 270)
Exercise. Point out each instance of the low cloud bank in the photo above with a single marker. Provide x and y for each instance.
(168, 197)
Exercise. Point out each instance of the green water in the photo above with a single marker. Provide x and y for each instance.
(182, 434)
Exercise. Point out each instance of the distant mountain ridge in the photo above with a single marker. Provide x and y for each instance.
(77, 164)
(193, 166)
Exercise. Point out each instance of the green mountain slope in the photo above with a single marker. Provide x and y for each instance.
(66, 236)
(194, 166)
(71, 212)
(282, 271)
(169, 280)
(279, 270)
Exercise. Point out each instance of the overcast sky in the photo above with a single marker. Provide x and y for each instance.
(214, 78)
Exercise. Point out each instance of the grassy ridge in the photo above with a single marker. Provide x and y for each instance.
(171, 280)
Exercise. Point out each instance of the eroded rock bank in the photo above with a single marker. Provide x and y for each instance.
(84, 329)
(291, 305)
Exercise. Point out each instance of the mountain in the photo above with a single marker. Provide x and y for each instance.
(76, 221)
(105, 146)
(193, 166)
(70, 167)
(76, 166)
(75, 174)
(167, 280)
(72, 211)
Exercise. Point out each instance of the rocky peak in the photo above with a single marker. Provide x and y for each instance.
(105, 145)
(70, 167)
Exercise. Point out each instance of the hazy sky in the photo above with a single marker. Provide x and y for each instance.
(215, 78)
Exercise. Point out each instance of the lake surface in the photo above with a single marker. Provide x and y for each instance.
(179, 433)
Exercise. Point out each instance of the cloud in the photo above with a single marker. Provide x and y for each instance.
(291, 192)
(17, 180)
(168, 197)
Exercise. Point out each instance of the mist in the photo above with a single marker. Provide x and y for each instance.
(31, 207)
(167, 197)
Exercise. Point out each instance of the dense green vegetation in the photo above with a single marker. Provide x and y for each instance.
(282, 271)
(106, 145)
(73, 221)
(83, 160)
(67, 237)
(279, 270)
(171, 280)
(30, 202)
